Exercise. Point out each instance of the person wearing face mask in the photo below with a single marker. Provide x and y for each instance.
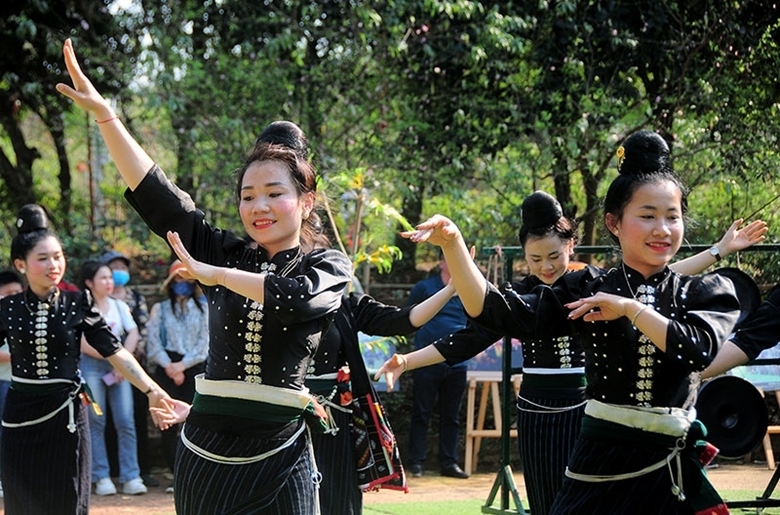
(120, 272)
(177, 342)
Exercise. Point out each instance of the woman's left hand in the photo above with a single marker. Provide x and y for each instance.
(600, 307)
(169, 413)
(206, 274)
(737, 239)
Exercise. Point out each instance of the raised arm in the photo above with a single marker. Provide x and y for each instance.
(466, 276)
(735, 239)
(131, 160)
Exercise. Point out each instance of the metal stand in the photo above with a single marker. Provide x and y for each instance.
(762, 501)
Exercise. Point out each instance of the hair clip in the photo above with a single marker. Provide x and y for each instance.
(621, 155)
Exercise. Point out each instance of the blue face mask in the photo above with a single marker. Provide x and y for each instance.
(121, 277)
(183, 288)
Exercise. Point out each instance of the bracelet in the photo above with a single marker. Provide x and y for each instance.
(633, 320)
(404, 361)
(147, 392)
(115, 117)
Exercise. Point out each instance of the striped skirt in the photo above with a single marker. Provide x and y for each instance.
(284, 483)
(46, 468)
(335, 455)
(547, 429)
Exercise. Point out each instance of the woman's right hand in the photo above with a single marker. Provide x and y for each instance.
(207, 275)
(392, 369)
(83, 93)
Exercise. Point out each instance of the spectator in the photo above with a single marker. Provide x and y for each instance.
(447, 382)
(178, 344)
(109, 389)
(120, 271)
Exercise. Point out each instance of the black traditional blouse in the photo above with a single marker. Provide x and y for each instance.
(270, 343)
(542, 326)
(621, 364)
(44, 335)
(370, 317)
(760, 330)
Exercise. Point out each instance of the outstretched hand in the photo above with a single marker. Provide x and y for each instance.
(206, 274)
(392, 370)
(437, 230)
(157, 401)
(737, 239)
(169, 413)
(83, 93)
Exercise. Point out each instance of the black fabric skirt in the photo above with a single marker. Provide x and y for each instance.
(546, 441)
(335, 455)
(46, 468)
(650, 493)
(282, 484)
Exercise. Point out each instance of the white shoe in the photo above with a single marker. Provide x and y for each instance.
(105, 487)
(134, 487)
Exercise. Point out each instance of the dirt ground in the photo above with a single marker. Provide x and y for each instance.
(430, 487)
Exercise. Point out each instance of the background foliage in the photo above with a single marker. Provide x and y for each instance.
(459, 107)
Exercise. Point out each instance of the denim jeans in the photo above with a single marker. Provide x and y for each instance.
(120, 397)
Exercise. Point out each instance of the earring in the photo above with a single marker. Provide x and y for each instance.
(21, 270)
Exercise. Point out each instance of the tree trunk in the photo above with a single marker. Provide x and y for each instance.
(18, 179)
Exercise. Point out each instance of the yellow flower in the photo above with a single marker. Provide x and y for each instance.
(621, 155)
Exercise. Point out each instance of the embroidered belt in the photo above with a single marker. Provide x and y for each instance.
(250, 400)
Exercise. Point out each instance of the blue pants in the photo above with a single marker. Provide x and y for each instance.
(448, 384)
(120, 397)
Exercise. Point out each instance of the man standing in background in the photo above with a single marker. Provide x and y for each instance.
(446, 382)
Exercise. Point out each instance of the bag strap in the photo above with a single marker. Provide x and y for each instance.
(358, 374)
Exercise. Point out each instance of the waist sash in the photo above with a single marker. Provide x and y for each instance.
(25, 385)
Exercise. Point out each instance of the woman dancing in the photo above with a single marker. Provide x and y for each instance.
(46, 454)
(245, 445)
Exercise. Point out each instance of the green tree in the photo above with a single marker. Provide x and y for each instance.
(31, 35)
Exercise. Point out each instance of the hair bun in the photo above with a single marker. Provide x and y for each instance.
(540, 209)
(31, 217)
(286, 134)
(643, 152)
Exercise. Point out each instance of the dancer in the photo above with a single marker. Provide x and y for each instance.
(46, 453)
(551, 400)
(642, 364)
(245, 443)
